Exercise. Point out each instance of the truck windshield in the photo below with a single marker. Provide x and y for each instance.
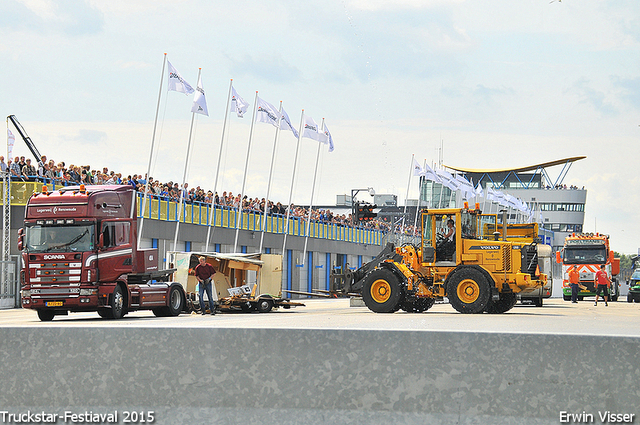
(59, 238)
(585, 255)
(636, 275)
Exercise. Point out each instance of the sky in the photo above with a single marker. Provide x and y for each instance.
(496, 84)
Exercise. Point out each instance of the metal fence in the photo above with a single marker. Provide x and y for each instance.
(9, 285)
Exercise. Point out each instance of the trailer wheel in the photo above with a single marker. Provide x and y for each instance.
(46, 315)
(382, 291)
(117, 303)
(506, 302)
(468, 291)
(265, 305)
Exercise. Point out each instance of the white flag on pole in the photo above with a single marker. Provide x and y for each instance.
(417, 168)
(199, 101)
(429, 174)
(267, 113)
(177, 83)
(11, 139)
(467, 189)
(285, 124)
(238, 104)
(448, 180)
(311, 131)
(328, 134)
(479, 191)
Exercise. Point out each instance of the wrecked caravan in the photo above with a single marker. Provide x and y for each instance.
(243, 282)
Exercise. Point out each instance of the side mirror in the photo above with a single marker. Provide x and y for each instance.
(101, 242)
(20, 239)
(558, 257)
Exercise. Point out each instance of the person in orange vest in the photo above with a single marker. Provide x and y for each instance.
(602, 282)
(574, 281)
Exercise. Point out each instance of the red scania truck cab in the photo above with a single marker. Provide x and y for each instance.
(79, 253)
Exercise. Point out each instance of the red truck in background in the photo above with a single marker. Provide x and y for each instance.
(588, 251)
(79, 253)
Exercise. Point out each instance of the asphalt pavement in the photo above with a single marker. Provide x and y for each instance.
(554, 317)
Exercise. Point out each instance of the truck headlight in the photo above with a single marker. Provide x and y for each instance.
(87, 292)
(25, 294)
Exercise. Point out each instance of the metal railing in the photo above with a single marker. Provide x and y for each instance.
(9, 282)
(199, 213)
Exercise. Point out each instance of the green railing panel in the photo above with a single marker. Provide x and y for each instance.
(22, 191)
(154, 208)
(163, 210)
(187, 214)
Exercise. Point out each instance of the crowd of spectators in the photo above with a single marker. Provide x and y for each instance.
(563, 186)
(50, 172)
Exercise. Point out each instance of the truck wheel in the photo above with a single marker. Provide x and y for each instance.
(506, 302)
(382, 292)
(419, 305)
(629, 298)
(46, 315)
(104, 313)
(566, 297)
(265, 305)
(468, 291)
(176, 301)
(537, 302)
(117, 302)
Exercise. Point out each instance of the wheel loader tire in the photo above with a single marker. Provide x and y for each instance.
(468, 291)
(382, 291)
(505, 303)
(418, 306)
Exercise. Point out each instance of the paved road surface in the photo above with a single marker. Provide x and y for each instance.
(556, 317)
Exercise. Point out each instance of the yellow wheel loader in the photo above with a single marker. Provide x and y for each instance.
(462, 256)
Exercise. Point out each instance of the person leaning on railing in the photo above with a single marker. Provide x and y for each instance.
(29, 171)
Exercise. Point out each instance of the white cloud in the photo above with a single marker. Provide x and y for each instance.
(375, 5)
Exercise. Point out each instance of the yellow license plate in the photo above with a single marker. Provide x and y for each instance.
(53, 304)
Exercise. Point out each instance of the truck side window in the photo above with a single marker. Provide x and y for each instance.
(115, 234)
(107, 230)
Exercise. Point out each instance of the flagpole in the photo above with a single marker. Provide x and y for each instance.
(184, 176)
(293, 178)
(441, 192)
(244, 178)
(313, 188)
(215, 182)
(404, 212)
(415, 221)
(273, 157)
(153, 138)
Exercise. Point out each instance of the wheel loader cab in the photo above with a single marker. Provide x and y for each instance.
(487, 226)
(443, 232)
(446, 237)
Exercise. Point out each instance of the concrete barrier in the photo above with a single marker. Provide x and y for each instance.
(198, 376)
